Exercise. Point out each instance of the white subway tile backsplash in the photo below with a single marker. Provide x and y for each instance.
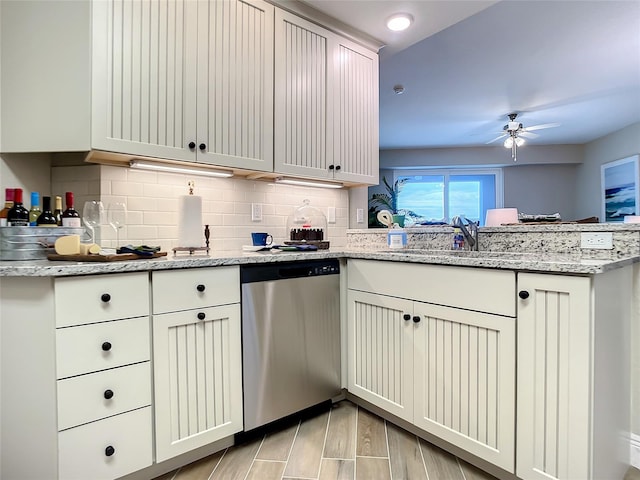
(152, 202)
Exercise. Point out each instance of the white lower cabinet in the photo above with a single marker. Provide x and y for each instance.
(450, 372)
(197, 358)
(573, 361)
(108, 448)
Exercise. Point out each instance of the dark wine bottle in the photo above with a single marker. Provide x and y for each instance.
(70, 217)
(8, 203)
(47, 218)
(17, 216)
(58, 211)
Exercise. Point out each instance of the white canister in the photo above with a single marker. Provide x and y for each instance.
(396, 238)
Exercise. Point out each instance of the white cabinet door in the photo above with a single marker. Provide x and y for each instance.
(235, 84)
(464, 368)
(380, 363)
(185, 80)
(355, 135)
(303, 89)
(144, 77)
(198, 378)
(554, 363)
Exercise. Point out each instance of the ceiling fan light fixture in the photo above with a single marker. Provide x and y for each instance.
(519, 141)
(399, 22)
(508, 143)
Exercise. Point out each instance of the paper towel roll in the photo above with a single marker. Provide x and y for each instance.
(190, 232)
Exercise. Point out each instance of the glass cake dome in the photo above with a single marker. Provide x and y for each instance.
(307, 224)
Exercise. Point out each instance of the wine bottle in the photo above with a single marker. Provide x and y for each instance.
(17, 216)
(70, 217)
(34, 211)
(58, 211)
(8, 203)
(46, 218)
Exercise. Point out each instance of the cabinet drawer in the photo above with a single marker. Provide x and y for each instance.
(86, 398)
(99, 346)
(479, 289)
(82, 451)
(194, 288)
(81, 300)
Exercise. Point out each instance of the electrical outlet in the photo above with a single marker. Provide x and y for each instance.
(600, 240)
(256, 212)
(331, 214)
(360, 215)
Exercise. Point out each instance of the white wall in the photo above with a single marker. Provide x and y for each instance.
(152, 201)
(615, 146)
(29, 171)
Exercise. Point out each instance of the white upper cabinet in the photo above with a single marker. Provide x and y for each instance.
(326, 104)
(185, 80)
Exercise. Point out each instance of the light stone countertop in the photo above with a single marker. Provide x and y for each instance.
(533, 262)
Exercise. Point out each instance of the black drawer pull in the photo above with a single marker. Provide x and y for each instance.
(201, 316)
(523, 294)
(105, 297)
(192, 145)
(338, 167)
(416, 319)
(202, 147)
(406, 316)
(106, 346)
(200, 288)
(108, 394)
(109, 451)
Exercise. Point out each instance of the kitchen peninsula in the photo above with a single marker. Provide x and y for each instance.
(575, 306)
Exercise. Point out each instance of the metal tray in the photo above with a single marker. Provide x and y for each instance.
(32, 243)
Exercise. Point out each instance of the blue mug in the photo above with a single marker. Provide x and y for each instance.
(261, 239)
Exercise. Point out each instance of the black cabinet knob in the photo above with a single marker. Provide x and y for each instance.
(338, 167)
(523, 294)
(192, 145)
(105, 297)
(106, 346)
(416, 319)
(201, 316)
(108, 394)
(200, 288)
(406, 316)
(202, 147)
(109, 451)
(331, 167)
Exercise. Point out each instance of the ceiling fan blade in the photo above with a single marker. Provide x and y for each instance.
(527, 134)
(497, 138)
(541, 126)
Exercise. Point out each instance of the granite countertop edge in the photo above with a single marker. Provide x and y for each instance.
(543, 262)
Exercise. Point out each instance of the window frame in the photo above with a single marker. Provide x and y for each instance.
(448, 172)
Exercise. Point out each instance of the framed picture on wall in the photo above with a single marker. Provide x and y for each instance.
(619, 182)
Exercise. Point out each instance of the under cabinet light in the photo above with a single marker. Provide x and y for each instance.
(164, 167)
(307, 183)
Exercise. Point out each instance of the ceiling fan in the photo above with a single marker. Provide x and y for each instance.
(515, 134)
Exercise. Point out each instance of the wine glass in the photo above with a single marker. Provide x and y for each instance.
(92, 214)
(117, 218)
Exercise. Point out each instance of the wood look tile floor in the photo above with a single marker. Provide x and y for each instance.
(346, 443)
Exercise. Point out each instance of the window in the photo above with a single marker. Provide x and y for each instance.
(438, 196)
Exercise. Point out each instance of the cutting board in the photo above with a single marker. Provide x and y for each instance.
(114, 257)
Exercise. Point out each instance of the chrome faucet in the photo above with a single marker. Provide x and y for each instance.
(470, 234)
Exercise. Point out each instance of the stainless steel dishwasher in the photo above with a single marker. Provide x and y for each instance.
(290, 338)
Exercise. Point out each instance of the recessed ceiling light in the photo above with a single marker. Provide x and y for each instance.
(399, 22)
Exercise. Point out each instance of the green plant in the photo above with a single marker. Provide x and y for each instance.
(389, 200)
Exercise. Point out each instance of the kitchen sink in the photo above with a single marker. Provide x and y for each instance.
(468, 254)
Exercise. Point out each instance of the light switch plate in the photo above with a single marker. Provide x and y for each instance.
(596, 240)
(331, 214)
(256, 212)
(360, 215)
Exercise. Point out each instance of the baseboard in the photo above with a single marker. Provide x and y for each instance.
(634, 453)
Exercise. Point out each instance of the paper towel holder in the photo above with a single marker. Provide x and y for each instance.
(192, 250)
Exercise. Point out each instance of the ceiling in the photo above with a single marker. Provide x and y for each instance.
(465, 65)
